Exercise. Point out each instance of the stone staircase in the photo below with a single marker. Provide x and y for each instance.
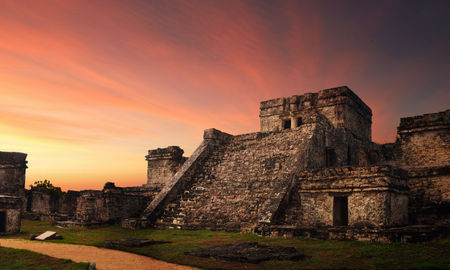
(237, 182)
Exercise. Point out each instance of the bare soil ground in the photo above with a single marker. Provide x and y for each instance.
(105, 259)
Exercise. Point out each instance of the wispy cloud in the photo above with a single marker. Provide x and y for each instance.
(113, 78)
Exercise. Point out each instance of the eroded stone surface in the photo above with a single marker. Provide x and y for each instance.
(132, 242)
(12, 191)
(251, 252)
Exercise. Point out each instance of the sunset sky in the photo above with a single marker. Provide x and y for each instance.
(87, 87)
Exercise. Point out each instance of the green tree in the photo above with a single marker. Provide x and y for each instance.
(46, 186)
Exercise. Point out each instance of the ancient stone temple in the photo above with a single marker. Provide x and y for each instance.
(312, 170)
(12, 190)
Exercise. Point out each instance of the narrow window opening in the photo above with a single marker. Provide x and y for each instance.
(287, 124)
(2, 221)
(330, 157)
(340, 211)
(299, 121)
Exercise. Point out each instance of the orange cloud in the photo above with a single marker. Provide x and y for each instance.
(87, 87)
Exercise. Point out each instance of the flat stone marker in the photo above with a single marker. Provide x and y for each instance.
(44, 236)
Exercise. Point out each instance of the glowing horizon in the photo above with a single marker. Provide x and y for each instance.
(87, 88)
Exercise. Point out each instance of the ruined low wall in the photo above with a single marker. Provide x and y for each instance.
(42, 203)
(112, 204)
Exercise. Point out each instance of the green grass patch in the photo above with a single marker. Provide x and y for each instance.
(323, 254)
(23, 259)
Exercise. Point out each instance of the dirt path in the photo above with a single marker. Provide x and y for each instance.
(105, 259)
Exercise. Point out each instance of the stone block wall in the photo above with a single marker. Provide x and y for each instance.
(112, 204)
(10, 214)
(42, 202)
(339, 105)
(163, 163)
(12, 173)
(12, 190)
(429, 195)
(67, 203)
(423, 149)
(424, 140)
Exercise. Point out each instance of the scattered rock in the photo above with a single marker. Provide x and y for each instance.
(251, 252)
(132, 242)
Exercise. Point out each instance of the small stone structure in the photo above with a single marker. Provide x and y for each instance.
(163, 163)
(12, 190)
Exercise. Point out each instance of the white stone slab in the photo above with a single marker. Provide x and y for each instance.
(45, 235)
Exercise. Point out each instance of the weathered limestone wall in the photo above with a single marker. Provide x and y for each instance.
(163, 163)
(398, 215)
(12, 173)
(67, 203)
(377, 196)
(11, 208)
(12, 191)
(316, 210)
(423, 149)
(429, 195)
(339, 105)
(424, 140)
(112, 204)
(44, 203)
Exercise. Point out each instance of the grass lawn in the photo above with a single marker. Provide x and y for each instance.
(324, 254)
(23, 259)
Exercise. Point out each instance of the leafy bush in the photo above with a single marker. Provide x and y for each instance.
(46, 186)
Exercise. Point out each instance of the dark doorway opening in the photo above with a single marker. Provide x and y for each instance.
(286, 124)
(340, 211)
(373, 157)
(349, 156)
(2, 221)
(330, 157)
(299, 122)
